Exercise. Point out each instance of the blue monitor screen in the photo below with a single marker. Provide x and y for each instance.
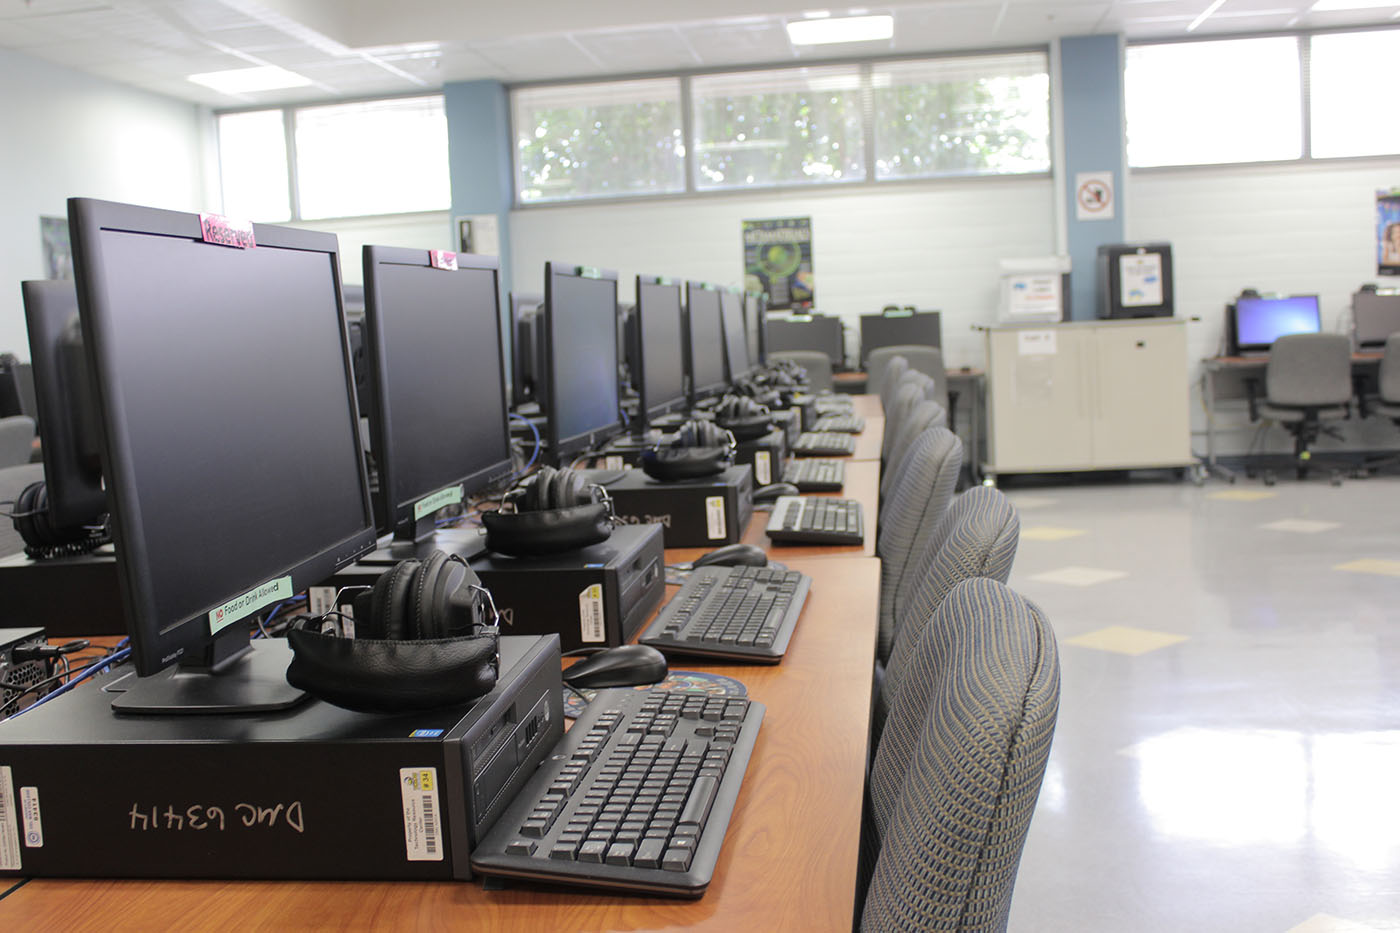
(1261, 321)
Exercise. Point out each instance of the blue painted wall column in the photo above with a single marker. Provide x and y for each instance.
(1091, 102)
(479, 158)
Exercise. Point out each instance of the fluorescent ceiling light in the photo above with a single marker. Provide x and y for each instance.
(244, 80)
(1205, 15)
(841, 29)
(1325, 6)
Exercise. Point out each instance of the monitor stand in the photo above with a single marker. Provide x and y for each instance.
(252, 682)
(466, 542)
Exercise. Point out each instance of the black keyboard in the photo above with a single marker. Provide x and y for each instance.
(636, 796)
(835, 405)
(816, 520)
(811, 474)
(846, 424)
(824, 444)
(744, 613)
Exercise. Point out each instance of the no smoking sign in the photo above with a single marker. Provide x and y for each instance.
(1093, 196)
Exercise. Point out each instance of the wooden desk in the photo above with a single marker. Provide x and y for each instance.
(869, 441)
(789, 857)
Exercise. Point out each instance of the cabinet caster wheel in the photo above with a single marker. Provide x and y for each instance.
(1336, 477)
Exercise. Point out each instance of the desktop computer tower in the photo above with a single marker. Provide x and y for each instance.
(69, 596)
(767, 455)
(597, 596)
(693, 513)
(315, 792)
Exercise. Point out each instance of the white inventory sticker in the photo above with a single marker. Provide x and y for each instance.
(714, 518)
(9, 824)
(613, 462)
(590, 614)
(763, 467)
(422, 826)
(33, 823)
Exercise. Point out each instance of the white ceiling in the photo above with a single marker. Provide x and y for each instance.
(351, 48)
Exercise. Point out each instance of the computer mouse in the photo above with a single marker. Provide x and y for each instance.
(774, 490)
(733, 555)
(623, 666)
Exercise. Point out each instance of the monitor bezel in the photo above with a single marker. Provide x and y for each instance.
(399, 515)
(731, 373)
(756, 303)
(157, 644)
(699, 393)
(562, 448)
(519, 303)
(648, 411)
(1256, 348)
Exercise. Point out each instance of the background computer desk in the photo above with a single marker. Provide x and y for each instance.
(789, 856)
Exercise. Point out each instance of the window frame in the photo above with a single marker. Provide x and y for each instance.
(288, 114)
(1304, 43)
(864, 67)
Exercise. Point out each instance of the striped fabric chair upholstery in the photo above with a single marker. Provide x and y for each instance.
(885, 371)
(926, 480)
(924, 415)
(977, 537)
(959, 768)
(909, 394)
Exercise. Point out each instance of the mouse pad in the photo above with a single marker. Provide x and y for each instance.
(717, 684)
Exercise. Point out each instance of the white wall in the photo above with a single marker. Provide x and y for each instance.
(65, 134)
(933, 245)
(1301, 228)
(431, 230)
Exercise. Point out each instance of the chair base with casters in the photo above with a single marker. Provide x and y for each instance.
(1307, 382)
(1306, 426)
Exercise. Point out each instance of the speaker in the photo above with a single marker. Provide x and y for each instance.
(556, 511)
(698, 449)
(425, 637)
(744, 417)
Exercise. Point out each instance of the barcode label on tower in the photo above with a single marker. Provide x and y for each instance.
(763, 467)
(714, 518)
(590, 614)
(9, 823)
(422, 827)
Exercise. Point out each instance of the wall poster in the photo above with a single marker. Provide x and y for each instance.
(778, 261)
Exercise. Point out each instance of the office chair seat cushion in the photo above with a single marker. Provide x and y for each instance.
(388, 675)
(1285, 413)
(547, 531)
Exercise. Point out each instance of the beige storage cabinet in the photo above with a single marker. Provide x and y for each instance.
(1089, 395)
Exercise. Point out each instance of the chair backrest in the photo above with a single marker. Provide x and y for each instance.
(927, 477)
(1390, 371)
(1309, 369)
(817, 364)
(883, 369)
(977, 537)
(924, 415)
(906, 396)
(960, 765)
(13, 479)
(16, 440)
(927, 360)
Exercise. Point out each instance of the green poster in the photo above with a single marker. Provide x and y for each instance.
(778, 261)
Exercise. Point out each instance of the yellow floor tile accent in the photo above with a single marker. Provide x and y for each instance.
(1050, 533)
(1122, 639)
(1386, 568)
(1031, 502)
(1301, 526)
(1326, 923)
(1242, 495)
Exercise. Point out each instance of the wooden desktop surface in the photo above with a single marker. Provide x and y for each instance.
(789, 856)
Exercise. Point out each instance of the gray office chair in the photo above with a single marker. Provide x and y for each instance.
(13, 480)
(927, 360)
(1387, 401)
(960, 766)
(924, 486)
(977, 537)
(16, 440)
(921, 417)
(1306, 383)
(817, 364)
(886, 381)
(913, 388)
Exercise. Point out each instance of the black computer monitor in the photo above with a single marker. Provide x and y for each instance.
(1375, 316)
(522, 346)
(580, 344)
(11, 395)
(230, 439)
(659, 358)
(756, 322)
(736, 344)
(1258, 322)
(438, 409)
(67, 410)
(898, 327)
(819, 332)
(704, 341)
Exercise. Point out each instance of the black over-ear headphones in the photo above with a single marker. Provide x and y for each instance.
(557, 511)
(698, 449)
(743, 417)
(425, 637)
(43, 539)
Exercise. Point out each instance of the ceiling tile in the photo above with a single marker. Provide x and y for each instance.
(633, 50)
(739, 43)
(535, 57)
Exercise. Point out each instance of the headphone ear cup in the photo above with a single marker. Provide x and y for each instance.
(389, 603)
(566, 490)
(424, 616)
(537, 493)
